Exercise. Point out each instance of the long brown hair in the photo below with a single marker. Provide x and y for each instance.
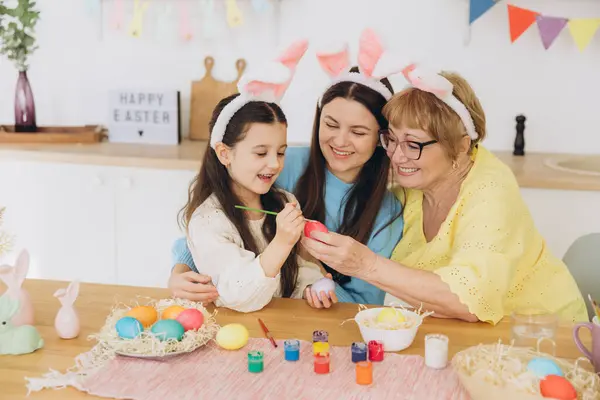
(214, 178)
(366, 196)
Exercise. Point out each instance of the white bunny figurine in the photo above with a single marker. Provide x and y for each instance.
(66, 322)
(13, 278)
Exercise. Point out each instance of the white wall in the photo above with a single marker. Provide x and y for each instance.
(557, 89)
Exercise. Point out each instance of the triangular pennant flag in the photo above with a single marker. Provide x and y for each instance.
(550, 28)
(520, 19)
(479, 7)
(583, 30)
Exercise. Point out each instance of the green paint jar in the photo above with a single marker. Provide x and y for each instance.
(255, 361)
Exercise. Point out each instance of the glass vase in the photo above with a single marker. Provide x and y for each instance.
(24, 105)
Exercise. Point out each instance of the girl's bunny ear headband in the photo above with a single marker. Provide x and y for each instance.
(374, 62)
(268, 83)
(442, 88)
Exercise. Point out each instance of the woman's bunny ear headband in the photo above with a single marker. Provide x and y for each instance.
(268, 83)
(374, 62)
(442, 88)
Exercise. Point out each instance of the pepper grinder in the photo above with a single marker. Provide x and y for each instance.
(520, 138)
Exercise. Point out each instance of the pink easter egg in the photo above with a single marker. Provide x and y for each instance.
(191, 319)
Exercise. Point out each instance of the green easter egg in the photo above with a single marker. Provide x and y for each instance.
(128, 327)
(168, 329)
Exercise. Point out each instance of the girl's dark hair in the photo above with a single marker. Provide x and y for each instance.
(365, 198)
(214, 178)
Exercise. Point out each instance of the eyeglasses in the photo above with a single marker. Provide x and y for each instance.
(410, 149)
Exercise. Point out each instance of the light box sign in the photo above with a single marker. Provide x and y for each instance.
(144, 116)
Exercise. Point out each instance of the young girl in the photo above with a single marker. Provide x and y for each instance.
(341, 179)
(250, 256)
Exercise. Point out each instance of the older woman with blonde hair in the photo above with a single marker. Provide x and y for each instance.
(470, 249)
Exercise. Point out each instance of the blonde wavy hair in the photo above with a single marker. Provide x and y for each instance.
(416, 109)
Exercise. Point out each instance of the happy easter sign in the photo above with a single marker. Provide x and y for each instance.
(144, 116)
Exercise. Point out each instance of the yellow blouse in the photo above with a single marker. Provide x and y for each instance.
(488, 250)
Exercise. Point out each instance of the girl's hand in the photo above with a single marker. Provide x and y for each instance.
(290, 224)
(329, 299)
(341, 253)
(193, 286)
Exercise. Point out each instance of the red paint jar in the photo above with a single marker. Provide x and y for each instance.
(375, 350)
(322, 363)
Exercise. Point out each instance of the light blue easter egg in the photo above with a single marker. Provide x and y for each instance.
(541, 367)
(129, 327)
(168, 329)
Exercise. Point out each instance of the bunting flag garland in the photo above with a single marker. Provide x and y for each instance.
(520, 19)
(261, 6)
(550, 28)
(234, 14)
(479, 7)
(185, 29)
(583, 30)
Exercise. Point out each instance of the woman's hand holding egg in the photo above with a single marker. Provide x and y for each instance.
(321, 294)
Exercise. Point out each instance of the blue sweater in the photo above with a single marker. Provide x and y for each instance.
(356, 290)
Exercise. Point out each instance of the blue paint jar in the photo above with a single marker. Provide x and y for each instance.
(292, 350)
(359, 352)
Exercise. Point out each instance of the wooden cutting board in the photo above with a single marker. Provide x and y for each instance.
(205, 95)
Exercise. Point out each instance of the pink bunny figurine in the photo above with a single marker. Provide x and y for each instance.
(66, 322)
(13, 278)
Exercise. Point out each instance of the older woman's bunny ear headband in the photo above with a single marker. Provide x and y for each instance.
(267, 83)
(373, 61)
(442, 88)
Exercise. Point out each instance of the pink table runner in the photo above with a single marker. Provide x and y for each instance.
(214, 373)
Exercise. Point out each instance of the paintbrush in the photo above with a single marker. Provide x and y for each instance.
(595, 306)
(264, 211)
(267, 332)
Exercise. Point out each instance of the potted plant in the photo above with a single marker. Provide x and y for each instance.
(17, 43)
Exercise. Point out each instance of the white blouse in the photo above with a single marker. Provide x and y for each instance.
(218, 251)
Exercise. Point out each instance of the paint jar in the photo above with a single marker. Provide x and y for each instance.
(364, 373)
(255, 361)
(292, 350)
(436, 350)
(320, 347)
(320, 336)
(375, 350)
(322, 363)
(359, 352)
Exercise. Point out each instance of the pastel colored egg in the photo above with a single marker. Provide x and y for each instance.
(390, 316)
(541, 367)
(167, 329)
(232, 336)
(171, 312)
(145, 314)
(128, 328)
(323, 285)
(557, 387)
(191, 319)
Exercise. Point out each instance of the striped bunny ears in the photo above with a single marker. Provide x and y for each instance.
(267, 84)
(375, 63)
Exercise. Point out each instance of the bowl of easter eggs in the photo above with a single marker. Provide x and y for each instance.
(499, 371)
(394, 327)
(162, 328)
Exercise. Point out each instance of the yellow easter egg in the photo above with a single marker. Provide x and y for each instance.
(232, 336)
(390, 316)
(171, 312)
(145, 314)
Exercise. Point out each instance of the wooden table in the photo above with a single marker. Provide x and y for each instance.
(285, 318)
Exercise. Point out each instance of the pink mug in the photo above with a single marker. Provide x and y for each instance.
(594, 355)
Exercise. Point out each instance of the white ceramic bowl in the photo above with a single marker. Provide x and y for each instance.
(393, 340)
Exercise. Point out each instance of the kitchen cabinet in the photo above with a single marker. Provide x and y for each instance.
(64, 216)
(94, 223)
(562, 216)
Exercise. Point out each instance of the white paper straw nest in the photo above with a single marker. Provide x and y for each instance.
(498, 370)
(146, 344)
